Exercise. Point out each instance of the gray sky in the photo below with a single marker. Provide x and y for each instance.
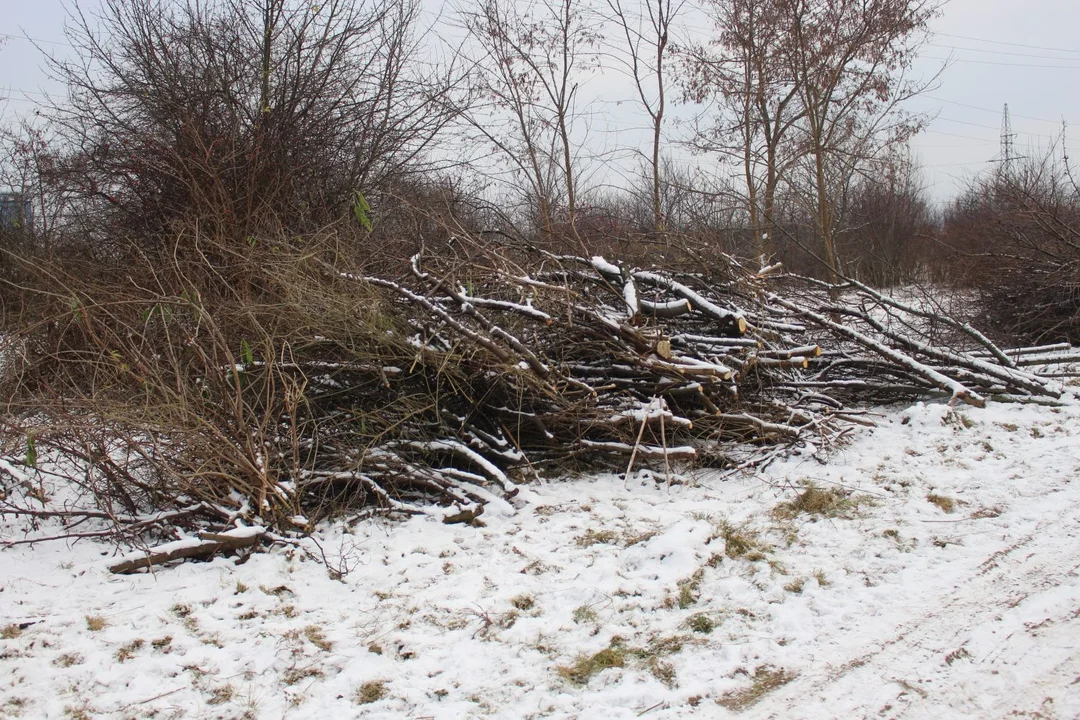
(1021, 52)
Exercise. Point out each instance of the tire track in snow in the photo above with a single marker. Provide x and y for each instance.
(970, 653)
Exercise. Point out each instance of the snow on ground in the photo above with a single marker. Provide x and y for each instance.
(944, 585)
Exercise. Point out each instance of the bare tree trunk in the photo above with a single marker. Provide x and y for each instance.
(824, 216)
(760, 236)
(660, 16)
(525, 67)
(658, 120)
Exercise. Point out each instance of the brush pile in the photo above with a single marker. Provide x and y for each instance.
(442, 389)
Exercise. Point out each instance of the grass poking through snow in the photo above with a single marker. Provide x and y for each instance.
(946, 504)
(585, 666)
(823, 502)
(370, 692)
(765, 680)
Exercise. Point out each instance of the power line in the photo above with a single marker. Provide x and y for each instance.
(1005, 64)
(9, 36)
(960, 164)
(958, 135)
(1010, 44)
(956, 146)
(965, 122)
(17, 91)
(989, 110)
(1001, 52)
(991, 127)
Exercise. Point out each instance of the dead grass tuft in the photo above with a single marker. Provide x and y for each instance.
(690, 589)
(598, 537)
(618, 655)
(181, 610)
(631, 539)
(315, 634)
(584, 614)
(295, 675)
(68, 659)
(742, 542)
(221, 695)
(662, 671)
(701, 623)
(13, 707)
(126, 652)
(947, 504)
(523, 603)
(765, 680)
(830, 502)
(585, 666)
(370, 692)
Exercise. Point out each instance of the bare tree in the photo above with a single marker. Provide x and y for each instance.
(27, 159)
(758, 103)
(526, 63)
(647, 34)
(1014, 238)
(848, 60)
(887, 224)
(809, 93)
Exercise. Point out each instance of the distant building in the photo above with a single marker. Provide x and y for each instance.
(16, 211)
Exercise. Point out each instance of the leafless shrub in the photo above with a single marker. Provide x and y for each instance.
(1015, 239)
(887, 228)
(246, 115)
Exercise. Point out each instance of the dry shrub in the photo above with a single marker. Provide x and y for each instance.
(181, 386)
(1016, 238)
(887, 221)
(277, 382)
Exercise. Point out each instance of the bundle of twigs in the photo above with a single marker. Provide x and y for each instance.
(467, 378)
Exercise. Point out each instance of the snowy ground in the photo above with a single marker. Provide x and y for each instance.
(589, 600)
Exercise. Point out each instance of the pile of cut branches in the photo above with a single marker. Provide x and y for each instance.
(336, 392)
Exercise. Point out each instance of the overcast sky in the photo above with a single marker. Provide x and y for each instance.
(1022, 52)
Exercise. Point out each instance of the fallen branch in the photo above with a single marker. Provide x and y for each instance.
(205, 545)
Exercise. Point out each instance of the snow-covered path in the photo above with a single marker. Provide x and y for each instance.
(992, 634)
(936, 575)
